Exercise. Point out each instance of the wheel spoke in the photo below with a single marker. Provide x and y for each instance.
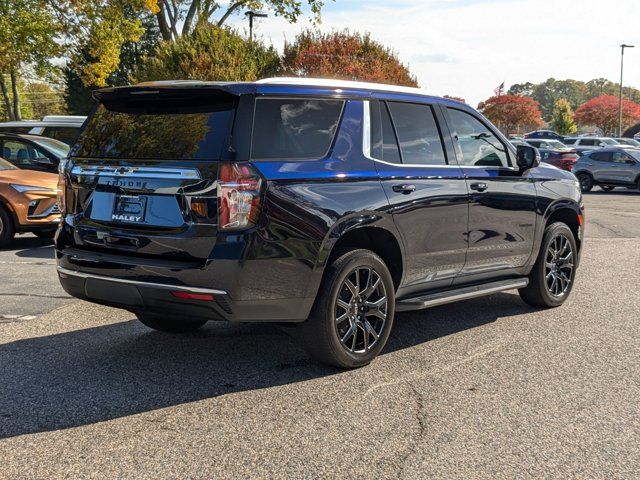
(370, 330)
(365, 336)
(352, 331)
(342, 304)
(352, 288)
(343, 317)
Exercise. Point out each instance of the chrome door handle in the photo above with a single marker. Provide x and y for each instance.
(404, 188)
(479, 186)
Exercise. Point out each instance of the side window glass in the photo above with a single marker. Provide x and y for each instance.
(476, 145)
(601, 156)
(620, 157)
(18, 153)
(418, 134)
(390, 150)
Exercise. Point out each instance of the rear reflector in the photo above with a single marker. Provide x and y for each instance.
(205, 297)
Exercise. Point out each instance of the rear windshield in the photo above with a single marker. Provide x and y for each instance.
(294, 128)
(158, 127)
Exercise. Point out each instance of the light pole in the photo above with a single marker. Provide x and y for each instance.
(623, 46)
(251, 15)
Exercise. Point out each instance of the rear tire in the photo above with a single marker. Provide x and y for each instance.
(552, 277)
(7, 230)
(170, 324)
(586, 182)
(353, 313)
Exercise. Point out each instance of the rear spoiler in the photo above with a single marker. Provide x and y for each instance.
(161, 97)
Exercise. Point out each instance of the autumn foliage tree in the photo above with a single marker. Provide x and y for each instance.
(344, 55)
(603, 113)
(562, 118)
(512, 112)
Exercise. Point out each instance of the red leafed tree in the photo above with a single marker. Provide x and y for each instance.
(602, 112)
(346, 56)
(512, 113)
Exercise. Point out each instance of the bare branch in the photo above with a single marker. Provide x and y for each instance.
(232, 8)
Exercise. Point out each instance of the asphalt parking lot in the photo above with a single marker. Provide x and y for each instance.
(488, 388)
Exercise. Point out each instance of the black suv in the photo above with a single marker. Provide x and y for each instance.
(331, 204)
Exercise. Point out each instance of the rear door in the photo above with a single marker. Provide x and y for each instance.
(502, 202)
(142, 178)
(426, 190)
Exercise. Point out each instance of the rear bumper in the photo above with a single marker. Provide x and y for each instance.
(160, 298)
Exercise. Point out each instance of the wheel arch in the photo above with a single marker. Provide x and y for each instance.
(569, 213)
(378, 235)
(4, 203)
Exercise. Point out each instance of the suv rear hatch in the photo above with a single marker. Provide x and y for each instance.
(142, 179)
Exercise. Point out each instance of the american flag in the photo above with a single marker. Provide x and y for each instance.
(500, 90)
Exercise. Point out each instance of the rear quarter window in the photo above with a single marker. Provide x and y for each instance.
(294, 128)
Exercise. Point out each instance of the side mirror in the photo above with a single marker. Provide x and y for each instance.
(527, 157)
(46, 161)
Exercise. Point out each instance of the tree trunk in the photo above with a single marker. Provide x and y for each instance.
(162, 25)
(16, 96)
(5, 96)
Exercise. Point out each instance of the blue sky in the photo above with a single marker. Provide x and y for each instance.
(468, 47)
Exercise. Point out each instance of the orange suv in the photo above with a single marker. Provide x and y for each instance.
(28, 202)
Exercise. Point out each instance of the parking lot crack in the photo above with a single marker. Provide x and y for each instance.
(419, 415)
(39, 295)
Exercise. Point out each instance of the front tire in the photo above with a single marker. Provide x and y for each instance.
(353, 313)
(552, 277)
(586, 182)
(170, 324)
(7, 231)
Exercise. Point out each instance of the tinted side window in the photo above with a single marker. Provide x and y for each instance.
(601, 156)
(294, 128)
(19, 153)
(67, 135)
(589, 142)
(390, 150)
(418, 135)
(620, 157)
(476, 144)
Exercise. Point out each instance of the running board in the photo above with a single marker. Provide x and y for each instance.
(464, 293)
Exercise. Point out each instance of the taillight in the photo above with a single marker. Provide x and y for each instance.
(238, 196)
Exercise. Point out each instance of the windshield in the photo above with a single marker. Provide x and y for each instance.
(58, 148)
(555, 144)
(634, 153)
(4, 165)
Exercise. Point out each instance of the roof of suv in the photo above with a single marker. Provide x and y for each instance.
(267, 84)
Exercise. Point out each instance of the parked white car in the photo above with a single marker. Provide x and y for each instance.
(61, 127)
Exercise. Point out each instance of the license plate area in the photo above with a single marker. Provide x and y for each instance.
(129, 209)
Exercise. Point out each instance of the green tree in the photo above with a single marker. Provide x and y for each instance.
(105, 26)
(78, 96)
(562, 118)
(209, 53)
(27, 39)
(43, 99)
(345, 55)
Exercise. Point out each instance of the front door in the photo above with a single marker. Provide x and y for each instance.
(502, 202)
(426, 190)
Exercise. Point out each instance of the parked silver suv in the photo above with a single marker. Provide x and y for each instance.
(608, 168)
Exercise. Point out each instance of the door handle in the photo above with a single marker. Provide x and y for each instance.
(479, 186)
(404, 188)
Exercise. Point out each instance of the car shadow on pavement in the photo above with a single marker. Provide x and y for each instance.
(33, 247)
(86, 376)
